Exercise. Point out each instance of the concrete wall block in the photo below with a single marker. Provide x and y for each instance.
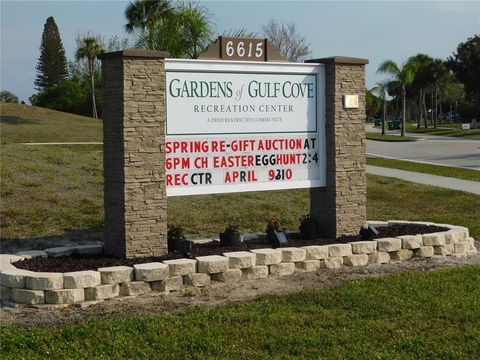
(134, 288)
(15, 305)
(472, 252)
(255, 272)
(316, 252)
(197, 280)
(151, 271)
(462, 247)
(212, 264)
(64, 296)
(31, 254)
(377, 223)
(174, 283)
(230, 276)
(102, 292)
(14, 278)
(435, 239)
(307, 265)
(398, 222)
(334, 262)
(282, 269)
(389, 244)
(380, 257)
(293, 254)
(339, 250)
(10, 259)
(60, 251)
(452, 236)
(356, 260)
(411, 242)
(364, 247)
(463, 231)
(267, 256)
(240, 259)
(95, 249)
(116, 274)
(81, 279)
(444, 250)
(44, 281)
(401, 255)
(424, 251)
(5, 293)
(30, 297)
(471, 241)
(180, 267)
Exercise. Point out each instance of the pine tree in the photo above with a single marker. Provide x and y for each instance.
(52, 64)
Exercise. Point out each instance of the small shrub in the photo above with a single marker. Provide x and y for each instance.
(273, 225)
(232, 228)
(305, 219)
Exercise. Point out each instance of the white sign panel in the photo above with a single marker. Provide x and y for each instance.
(235, 127)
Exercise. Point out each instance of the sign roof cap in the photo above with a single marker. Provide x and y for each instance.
(339, 60)
(135, 53)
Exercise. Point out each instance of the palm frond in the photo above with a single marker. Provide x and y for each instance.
(389, 67)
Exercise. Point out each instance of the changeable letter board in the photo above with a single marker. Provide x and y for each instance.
(237, 126)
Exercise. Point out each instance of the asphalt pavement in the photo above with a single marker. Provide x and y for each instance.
(430, 149)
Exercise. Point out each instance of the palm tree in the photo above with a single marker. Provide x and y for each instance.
(422, 68)
(403, 76)
(89, 48)
(381, 89)
(195, 27)
(440, 74)
(185, 33)
(144, 14)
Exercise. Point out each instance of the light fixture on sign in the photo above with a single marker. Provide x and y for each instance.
(350, 101)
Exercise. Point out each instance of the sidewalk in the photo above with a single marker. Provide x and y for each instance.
(427, 179)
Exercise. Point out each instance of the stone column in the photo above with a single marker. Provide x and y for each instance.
(134, 153)
(340, 207)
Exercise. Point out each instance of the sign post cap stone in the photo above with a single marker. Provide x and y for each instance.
(345, 60)
(135, 53)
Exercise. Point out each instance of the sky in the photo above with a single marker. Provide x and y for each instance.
(375, 30)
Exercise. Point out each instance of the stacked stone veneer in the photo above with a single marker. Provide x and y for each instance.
(27, 288)
(340, 208)
(134, 153)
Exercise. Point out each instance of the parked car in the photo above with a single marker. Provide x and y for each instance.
(452, 116)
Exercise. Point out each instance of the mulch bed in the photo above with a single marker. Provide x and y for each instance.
(93, 262)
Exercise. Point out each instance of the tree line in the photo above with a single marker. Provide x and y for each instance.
(185, 30)
(424, 89)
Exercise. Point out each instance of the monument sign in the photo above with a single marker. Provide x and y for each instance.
(240, 118)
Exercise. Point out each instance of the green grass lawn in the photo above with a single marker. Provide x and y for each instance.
(466, 174)
(389, 138)
(50, 190)
(25, 123)
(434, 315)
(454, 130)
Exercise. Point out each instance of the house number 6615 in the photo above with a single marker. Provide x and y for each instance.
(243, 49)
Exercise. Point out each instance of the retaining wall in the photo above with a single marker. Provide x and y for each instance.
(21, 288)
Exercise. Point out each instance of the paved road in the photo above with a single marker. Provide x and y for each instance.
(434, 180)
(441, 150)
